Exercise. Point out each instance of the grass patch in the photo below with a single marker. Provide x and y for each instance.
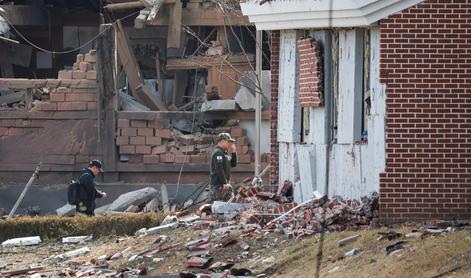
(54, 227)
(440, 256)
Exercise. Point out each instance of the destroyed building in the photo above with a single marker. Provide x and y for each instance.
(142, 85)
(371, 96)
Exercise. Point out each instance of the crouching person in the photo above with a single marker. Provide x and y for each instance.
(87, 189)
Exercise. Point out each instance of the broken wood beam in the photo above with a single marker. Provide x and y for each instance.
(175, 25)
(108, 100)
(125, 6)
(20, 271)
(23, 193)
(201, 62)
(136, 82)
(119, 6)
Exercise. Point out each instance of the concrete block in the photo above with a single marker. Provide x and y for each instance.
(66, 210)
(136, 197)
(219, 105)
(22, 241)
(223, 207)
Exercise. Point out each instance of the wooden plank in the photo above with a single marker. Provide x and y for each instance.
(120, 7)
(201, 62)
(39, 115)
(133, 72)
(289, 129)
(21, 83)
(242, 115)
(204, 17)
(21, 271)
(109, 101)
(175, 25)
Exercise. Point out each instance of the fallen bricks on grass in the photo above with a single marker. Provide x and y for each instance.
(198, 262)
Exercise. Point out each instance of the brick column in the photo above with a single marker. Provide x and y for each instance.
(274, 69)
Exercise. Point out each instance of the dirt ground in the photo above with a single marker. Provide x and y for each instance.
(274, 255)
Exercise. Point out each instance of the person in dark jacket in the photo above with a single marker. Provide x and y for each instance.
(88, 192)
(223, 158)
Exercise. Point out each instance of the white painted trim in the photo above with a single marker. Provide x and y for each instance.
(302, 14)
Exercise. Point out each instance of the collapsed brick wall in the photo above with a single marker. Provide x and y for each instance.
(155, 142)
(69, 97)
(310, 73)
(59, 130)
(426, 65)
(274, 70)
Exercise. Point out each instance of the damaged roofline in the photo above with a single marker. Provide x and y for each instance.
(300, 14)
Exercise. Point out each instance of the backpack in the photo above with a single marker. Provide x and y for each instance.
(73, 191)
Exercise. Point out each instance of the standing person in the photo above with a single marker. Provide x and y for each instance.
(87, 189)
(223, 158)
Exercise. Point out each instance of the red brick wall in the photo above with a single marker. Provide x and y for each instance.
(426, 64)
(154, 142)
(310, 73)
(274, 69)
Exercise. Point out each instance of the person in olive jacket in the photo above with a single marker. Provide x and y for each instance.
(223, 158)
(87, 189)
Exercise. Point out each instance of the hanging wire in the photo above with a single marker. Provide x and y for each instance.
(66, 51)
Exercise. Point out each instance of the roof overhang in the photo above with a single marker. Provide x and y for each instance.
(303, 14)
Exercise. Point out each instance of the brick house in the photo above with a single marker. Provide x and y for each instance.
(372, 95)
